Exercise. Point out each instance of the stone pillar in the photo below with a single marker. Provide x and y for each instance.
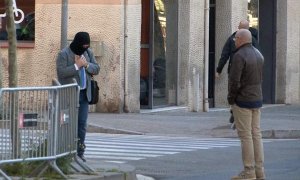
(191, 50)
(293, 59)
(288, 55)
(130, 56)
(281, 52)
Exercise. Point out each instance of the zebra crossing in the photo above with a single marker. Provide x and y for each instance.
(122, 148)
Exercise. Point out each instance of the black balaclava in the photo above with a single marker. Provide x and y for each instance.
(80, 39)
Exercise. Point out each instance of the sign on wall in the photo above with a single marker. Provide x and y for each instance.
(19, 14)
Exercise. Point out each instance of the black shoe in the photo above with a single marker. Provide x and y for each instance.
(82, 157)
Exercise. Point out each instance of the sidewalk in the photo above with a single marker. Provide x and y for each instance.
(278, 121)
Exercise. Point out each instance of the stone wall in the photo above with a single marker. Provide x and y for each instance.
(104, 20)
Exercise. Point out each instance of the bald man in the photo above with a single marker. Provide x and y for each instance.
(245, 98)
(228, 52)
(229, 49)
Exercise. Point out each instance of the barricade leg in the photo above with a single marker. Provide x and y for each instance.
(74, 168)
(42, 167)
(4, 175)
(84, 166)
(56, 168)
(43, 170)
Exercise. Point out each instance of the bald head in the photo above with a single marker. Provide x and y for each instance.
(244, 24)
(242, 36)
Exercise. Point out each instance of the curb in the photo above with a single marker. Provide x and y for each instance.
(267, 134)
(107, 171)
(142, 177)
(281, 134)
(92, 128)
(106, 176)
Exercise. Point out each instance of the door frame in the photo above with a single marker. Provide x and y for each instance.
(212, 53)
(151, 54)
(267, 38)
(148, 44)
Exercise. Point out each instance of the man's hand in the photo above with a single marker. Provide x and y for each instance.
(80, 61)
(217, 75)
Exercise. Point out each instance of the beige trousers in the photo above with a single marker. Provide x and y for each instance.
(248, 128)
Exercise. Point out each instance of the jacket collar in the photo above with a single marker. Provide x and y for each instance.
(244, 45)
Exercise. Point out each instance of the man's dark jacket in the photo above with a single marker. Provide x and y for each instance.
(245, 77)
(229, 49)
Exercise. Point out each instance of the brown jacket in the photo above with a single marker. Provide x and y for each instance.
(245, 77)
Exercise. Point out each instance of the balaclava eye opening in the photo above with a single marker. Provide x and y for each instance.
(80, 39)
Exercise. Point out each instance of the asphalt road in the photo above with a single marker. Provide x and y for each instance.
(282, 159)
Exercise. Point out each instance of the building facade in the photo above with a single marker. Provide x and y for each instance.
(158, 53)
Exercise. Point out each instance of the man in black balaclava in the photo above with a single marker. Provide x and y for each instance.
(77, 61)
(80, 43)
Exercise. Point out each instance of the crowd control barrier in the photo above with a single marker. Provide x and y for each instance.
(39, 124)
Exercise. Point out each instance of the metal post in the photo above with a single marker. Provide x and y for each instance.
(64, 24)
(196, 91)
(125, 108)
(206, 59)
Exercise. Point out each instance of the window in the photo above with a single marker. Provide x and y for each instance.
(253, 7)
(253, 13)
(24, 18)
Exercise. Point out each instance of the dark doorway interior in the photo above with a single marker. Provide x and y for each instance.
(267, 42)
(212, 40)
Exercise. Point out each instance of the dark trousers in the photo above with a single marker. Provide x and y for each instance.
(82, 121)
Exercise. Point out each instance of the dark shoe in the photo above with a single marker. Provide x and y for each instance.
(80, 148)
(82, 157)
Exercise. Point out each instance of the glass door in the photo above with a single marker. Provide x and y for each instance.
(165, 53)
(253, 10)
(159, 53)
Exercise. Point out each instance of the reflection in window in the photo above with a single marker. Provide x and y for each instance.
(25, 29)
(159, 64)
(253, 13)
(253, 17)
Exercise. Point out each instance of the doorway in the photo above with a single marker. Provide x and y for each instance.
(265, 22)
(262, 16)
(158, 53)
(267, 43)
(212, 52)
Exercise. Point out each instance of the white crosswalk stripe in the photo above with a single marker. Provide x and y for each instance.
(121, 148)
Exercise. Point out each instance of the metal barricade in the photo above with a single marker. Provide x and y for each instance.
(38, 124)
